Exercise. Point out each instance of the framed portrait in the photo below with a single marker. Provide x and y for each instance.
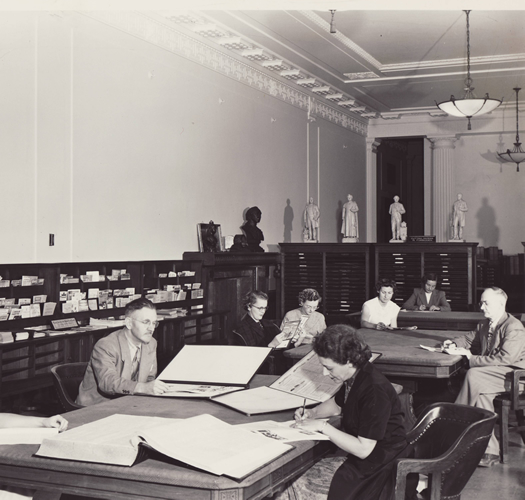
(210, 237)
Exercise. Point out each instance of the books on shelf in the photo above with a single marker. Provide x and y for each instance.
(209, 370)
(203, 441)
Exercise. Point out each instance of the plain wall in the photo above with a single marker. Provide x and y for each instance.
(120, 148)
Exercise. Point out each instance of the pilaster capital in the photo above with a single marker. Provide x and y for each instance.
(443, 141)
(372, 144)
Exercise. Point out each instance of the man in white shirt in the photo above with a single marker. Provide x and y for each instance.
(493, 350)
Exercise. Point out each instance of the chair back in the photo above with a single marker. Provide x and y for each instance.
(450, 440)
(238, 339)
(67, 379)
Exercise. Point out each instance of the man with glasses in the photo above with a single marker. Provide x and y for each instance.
(124, 362)
(493, 350)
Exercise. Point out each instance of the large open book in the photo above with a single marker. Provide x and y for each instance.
(204, 442)
(210, 370)
(303, 382)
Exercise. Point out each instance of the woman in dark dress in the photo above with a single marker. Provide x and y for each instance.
(372, 434)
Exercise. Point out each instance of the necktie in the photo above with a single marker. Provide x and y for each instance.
(135, 365)
(492, 329)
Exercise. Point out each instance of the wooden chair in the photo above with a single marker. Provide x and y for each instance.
(67, 379)
(449, 441)
(505, 403)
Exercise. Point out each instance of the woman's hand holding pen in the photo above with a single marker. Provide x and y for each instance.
(302, 414)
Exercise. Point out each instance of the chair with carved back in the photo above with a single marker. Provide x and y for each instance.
(269, 363)
(67, 379)
(449, 441)
(504, 403)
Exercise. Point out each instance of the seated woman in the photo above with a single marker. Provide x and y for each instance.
(427, 298)
(309, 321)
(253, 329)
(381, 313)
(372, 435)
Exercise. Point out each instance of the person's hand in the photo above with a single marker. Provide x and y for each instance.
(435, 308)
(155, 387)
(57, 421)
(459, 351)
(422, 307)
(380, 326)
(301, 417)
(447, 344)
(312, 425)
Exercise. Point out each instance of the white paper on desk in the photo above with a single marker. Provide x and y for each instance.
(210, 444)
(285, 432)
(214, 364)
(432, 349)
(197, 391)
(26, 435)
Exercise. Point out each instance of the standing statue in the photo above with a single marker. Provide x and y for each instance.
(458, 217)
(311, 221)
(396, 211)
(254, 235)
(350, 227)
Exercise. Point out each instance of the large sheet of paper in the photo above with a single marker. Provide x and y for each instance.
(26, 435)
(215, 364)
(285, 432)
(210, 444)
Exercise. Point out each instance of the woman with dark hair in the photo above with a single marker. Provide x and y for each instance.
(253, 329)
(381, 313)
(428, 297)
(372, 433)
(309, 321)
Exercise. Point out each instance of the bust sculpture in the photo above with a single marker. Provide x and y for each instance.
(311, 221)
(350, 226)
(254, 235)
(396, 211)
(458, 217)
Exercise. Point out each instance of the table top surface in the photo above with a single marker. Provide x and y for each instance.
(153, 470)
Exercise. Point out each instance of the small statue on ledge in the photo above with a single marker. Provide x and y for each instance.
(350, 226)
(210, 241)
(254, 235)
(311, 222)
(396, 211)
(240, 244)
(458, 218)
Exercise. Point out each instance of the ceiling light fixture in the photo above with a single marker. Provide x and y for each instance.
(470, 105)
(517, 155)
(332, 23)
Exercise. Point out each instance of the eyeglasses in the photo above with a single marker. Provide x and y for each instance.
(262, 309)
(147, 323)
(310, 308)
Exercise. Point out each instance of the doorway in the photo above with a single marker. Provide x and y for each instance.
(400, 172)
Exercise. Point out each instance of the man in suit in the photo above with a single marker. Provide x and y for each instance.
(124, 362)
(493, 350)
(427, 298)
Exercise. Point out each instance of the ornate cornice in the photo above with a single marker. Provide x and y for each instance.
(151, 30)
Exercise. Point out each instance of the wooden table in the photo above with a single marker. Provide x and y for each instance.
(403, 361)
(437, 320)
(155, 478)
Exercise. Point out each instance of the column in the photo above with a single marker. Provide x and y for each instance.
(443, 184)
(371, 188)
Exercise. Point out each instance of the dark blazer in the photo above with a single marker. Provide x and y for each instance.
(506, 349)
(419, 298)
(109, 370)
(255, 334)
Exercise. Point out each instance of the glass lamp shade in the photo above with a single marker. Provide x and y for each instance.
(516, 155)
(468, 107)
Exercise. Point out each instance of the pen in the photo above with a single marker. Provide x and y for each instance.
(304, 408)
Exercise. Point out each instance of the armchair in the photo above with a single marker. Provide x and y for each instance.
(449, 441)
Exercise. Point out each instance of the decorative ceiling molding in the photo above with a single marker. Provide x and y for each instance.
(140, 25)
(445, 63)
(320, 22)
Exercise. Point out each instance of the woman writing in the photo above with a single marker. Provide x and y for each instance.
(381, 313)
(372, 434)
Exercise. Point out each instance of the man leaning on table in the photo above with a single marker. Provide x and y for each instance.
(493, 350)
(124, 362)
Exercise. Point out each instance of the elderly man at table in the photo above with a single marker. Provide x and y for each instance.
(428, 297)
(493, 350)
(124, 362)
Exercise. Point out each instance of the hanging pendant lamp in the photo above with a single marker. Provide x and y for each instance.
(516, 155)
(470, 105)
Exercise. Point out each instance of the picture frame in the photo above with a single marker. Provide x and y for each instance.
(210, 237)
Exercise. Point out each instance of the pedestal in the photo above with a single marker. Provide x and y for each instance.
(350, 240)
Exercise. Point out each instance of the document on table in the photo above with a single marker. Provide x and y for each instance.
(26, 435)
(285, 432)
